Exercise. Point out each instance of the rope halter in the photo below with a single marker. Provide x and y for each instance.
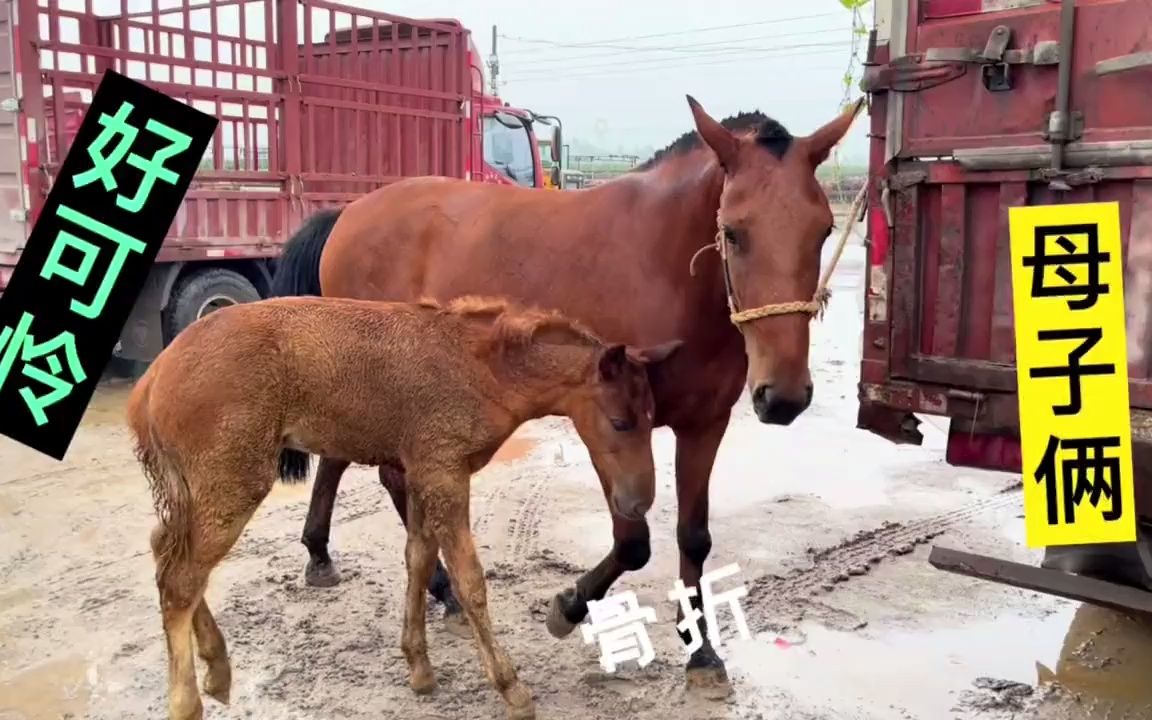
(814, 307)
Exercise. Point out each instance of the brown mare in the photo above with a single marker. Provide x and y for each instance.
(618, 257)
(245, 393)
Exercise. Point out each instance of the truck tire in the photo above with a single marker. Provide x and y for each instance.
(202, 292)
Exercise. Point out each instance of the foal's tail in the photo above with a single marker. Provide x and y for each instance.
(298, 270)
(171, 497)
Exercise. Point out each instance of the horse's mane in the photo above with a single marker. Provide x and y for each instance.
(513, 325)
(769, 133)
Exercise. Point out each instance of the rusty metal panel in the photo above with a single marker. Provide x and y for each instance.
(13, 193)
(962, 113)
(952, 299)
(318, 103)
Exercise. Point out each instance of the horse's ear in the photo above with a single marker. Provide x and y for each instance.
(715, 135)
(612, 362)
(821, 142)
(655, 354)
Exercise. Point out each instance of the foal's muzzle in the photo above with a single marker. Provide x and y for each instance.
(628, 507)
(774, 408)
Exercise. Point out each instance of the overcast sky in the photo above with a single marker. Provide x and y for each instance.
(616, 96)
(616, 71)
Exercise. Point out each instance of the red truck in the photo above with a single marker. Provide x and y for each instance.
(978, 106)
(318, 103)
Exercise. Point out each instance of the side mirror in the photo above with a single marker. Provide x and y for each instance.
(557, 145)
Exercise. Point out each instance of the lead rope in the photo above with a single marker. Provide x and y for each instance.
(814, 307)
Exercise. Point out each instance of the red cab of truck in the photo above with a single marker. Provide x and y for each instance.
(303, 125)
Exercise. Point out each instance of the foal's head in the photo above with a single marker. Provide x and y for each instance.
(567, 370)
(612, 410)
(774, 218)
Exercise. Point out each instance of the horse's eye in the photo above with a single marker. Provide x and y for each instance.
(730, 236)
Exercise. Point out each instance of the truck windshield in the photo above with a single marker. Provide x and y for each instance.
(509, 151)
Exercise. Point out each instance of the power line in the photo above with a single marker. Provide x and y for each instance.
(667, 66)
(686, 48)
(596, 43)
(625, 66)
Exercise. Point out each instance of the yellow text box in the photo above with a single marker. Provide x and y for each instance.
(1072, 373)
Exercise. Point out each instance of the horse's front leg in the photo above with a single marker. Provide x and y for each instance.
(320, 571)
(695, 455)
(439, 585)
(630, 551)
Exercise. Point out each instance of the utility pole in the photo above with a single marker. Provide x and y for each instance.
(494, 65)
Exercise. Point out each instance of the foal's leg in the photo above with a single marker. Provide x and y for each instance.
(392, 478)
(630, 552)
(214, 652)
(320, 571)
(234, 496)
(695, 455)
(444, 499)
(420, 558)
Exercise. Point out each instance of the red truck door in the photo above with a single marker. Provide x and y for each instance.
(963, 97)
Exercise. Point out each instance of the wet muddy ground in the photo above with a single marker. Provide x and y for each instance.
(830, 527)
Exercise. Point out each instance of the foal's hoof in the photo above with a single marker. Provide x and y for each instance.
(218, 684)
(456, 622)
(520, 703)
(321, 575)
(705, 673)
(422, 681)
(558, 625)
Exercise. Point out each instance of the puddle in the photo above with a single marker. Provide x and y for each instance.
(15, 598)
(50, 691)
(1093, 652)
(513, 449)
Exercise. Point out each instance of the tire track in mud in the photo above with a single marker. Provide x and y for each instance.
(834, 566)
(489, 502)
(524, 526)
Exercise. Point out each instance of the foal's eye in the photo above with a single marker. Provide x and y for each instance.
(623, 424)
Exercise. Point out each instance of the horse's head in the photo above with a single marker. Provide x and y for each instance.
(774, 218)
(613, 411)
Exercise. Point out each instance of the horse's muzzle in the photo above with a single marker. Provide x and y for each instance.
(773, 408)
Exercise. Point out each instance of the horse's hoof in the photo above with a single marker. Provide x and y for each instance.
(558, 625)
(321, 576)
(422, 682)
(456, 622)
(706, 674)
(218, 685)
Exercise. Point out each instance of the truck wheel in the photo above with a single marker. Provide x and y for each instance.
(201, 293)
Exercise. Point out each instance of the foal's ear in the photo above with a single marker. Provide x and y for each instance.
(612, 362)
(715, 135)
(821, 142)
(656, 354)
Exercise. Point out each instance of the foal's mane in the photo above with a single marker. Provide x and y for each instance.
(769, 133)
(513, 325)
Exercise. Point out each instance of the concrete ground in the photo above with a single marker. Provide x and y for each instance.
(830, 527)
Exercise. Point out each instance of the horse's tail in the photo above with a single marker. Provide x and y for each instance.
(298, 270)
(294, 465)
(171, 496)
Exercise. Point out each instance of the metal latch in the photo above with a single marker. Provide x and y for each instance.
(1124, 63)
(935, 66)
